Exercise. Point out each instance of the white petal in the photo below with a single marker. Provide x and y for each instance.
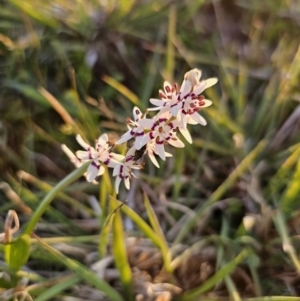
(175, 109)
(190, 120)
(199, 88)
(83, 155)
(82, 142)
(207, 103)
(71, 156)
(176, 143)
(210, 82)
(168, 155)
(92, 172)
(112, 163)
(164, 110)
(197, 117)
(136, 167)
(117, 157)
(146, 123)
(127, 183)
(140, 143)
(137, 114)
(168, 88)
(154, 109)
(103, 139)
(185, 88)
(193, 76)
(183, 121)
(157, 102)
(68, 152)
(186, 134)
(130, 152)
(116, 170)
(205, 84)
(166, 114)
(160, 150)
(153, 160)
(125, 137)
(117, 184)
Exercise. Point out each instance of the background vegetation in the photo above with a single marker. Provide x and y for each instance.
(221, 218)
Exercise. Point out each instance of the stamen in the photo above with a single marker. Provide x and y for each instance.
(128, 120)
(162, 95)
(175, 87)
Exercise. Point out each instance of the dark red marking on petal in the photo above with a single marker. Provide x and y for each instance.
(160, 120)
(128, 158)
(158, 141)
(139, 133)
(162, 95)
(95, 164)
(154, 126)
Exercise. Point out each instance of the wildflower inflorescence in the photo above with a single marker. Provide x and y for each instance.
(176, 109)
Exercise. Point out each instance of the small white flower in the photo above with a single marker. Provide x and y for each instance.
(151, 151)
(135, 129)
(162, 130)
(191, 82)
(124, 170)
(101, 154)
(77, 163)
(168, 98)
(186, 110)
(185, 103)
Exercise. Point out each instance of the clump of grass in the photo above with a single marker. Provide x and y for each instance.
(217, 221)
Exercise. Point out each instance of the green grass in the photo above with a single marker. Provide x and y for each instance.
(69, 67)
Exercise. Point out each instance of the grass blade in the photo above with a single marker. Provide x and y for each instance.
(122, 89)
(62, 285)
(170, 63)
(105, 230)
(88, 275)
(120, 254)
(241, 168)
(142, 225)
(286, 242)
(218, 276)
(166, 254)
(77, 173)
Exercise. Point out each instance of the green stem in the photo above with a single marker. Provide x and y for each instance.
(52, 194)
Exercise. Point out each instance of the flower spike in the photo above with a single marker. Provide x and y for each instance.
(177, 107)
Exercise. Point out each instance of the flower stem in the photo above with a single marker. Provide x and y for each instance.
(52, 194)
